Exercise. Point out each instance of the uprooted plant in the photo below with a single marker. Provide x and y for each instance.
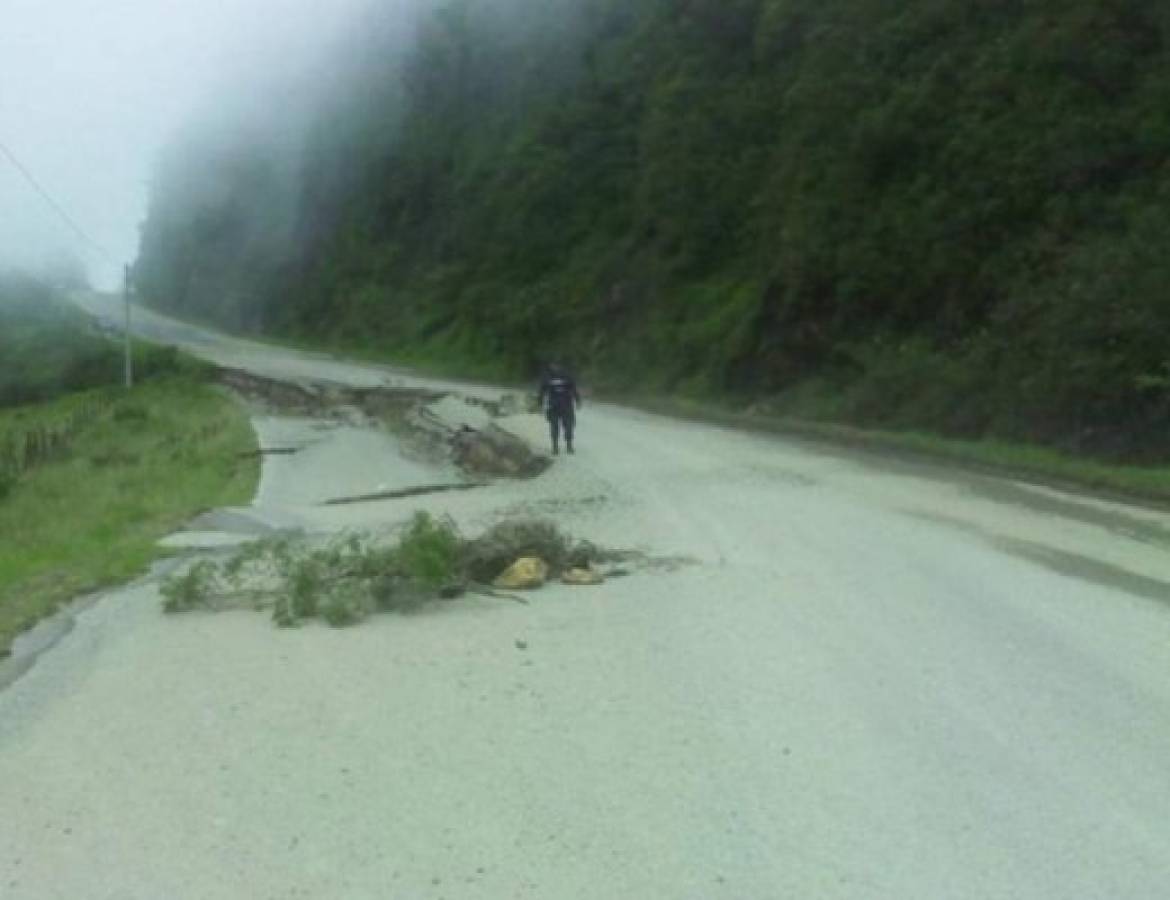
(353, 577)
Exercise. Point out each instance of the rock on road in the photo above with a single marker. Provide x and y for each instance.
(876, 680)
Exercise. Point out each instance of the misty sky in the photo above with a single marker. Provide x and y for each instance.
(91, 89)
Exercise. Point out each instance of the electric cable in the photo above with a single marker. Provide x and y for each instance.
(53, 204)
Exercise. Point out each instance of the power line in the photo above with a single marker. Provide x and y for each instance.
(53, 204)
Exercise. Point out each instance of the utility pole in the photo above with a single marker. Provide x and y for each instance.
(126, 303)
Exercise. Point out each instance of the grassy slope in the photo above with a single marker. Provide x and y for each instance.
(147, 463)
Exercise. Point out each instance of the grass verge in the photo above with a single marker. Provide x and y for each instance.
(132, 472)
(1040, 465)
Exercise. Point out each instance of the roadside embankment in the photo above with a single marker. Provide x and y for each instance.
(1149, 485)
(116, 473)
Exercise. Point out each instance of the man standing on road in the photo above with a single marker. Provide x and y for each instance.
(560, 401)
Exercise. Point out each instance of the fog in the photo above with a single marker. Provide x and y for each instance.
(92, 90)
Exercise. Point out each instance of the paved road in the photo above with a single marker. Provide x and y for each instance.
(877, 680)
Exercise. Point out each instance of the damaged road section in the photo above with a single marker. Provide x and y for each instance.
(403, 494)
(432, 426)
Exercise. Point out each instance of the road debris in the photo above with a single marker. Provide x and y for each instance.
(526, 574)
(583, 577)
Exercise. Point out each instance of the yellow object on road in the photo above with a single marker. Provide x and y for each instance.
(582, 577)
(526, 574)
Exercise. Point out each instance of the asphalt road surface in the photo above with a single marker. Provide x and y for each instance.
(873, 679)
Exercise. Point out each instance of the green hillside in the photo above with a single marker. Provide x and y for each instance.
(930, 214)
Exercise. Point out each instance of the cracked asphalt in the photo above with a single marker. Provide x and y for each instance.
(875, 680)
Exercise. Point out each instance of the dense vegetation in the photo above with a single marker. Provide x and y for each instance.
(929, 214)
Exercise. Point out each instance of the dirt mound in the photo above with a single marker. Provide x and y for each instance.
(494, 452)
